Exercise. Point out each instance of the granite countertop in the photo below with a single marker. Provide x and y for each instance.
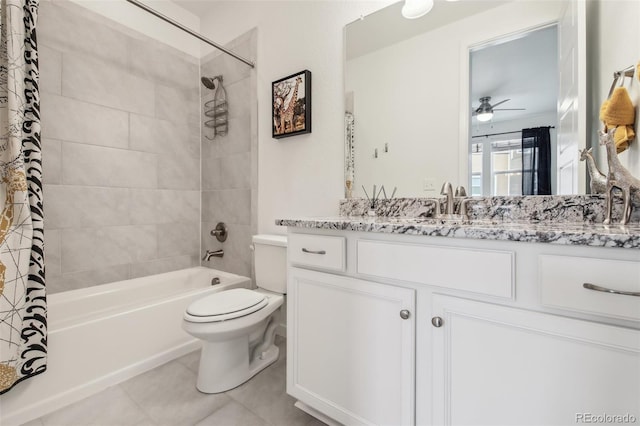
(588, 234)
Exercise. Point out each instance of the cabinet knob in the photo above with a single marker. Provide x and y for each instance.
(405, 314)
(436, 321)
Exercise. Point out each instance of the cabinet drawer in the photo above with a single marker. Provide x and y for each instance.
(561, 280)
(318, 251)
(479, 271)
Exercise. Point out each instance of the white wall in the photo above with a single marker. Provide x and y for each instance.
(300, 175)
(407, 97)
(615, 46)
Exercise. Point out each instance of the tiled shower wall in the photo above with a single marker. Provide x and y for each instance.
(229, 163)
(121, 151)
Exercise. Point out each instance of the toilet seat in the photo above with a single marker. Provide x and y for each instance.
(226, 305)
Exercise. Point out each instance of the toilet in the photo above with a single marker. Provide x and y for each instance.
(236, 326)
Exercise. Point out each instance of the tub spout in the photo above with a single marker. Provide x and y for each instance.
(209, 254)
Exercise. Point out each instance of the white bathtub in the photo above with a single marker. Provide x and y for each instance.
(103, 335)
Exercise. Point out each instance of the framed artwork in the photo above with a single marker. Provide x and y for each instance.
(291, 105)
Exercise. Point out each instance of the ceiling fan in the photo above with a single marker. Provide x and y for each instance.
(485, 111)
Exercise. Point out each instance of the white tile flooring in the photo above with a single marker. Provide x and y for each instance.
(167, 395)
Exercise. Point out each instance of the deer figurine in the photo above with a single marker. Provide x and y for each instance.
(618, 177)
(597, 181)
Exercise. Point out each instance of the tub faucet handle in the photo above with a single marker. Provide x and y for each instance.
(220, 232)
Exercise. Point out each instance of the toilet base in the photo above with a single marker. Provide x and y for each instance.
(226, 365)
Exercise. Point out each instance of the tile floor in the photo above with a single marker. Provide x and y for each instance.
(167, 396)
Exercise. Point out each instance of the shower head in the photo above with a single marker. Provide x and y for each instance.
(209, 82)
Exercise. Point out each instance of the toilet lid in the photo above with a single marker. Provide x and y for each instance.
(227, 305)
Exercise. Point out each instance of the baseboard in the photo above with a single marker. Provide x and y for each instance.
(55, 402)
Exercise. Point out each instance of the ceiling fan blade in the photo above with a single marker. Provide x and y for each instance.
(501, 102)
(510, 109)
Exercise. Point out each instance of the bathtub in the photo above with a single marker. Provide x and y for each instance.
(103, 335)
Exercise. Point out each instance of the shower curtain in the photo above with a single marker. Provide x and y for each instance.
(23, 325)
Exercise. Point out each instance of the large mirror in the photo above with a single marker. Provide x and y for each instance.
(414, 89)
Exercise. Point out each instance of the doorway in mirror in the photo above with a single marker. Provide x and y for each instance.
(514, 86)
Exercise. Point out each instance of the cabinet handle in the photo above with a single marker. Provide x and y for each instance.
(437, 322)
(405, 314)
(594, 287)
(304, 250)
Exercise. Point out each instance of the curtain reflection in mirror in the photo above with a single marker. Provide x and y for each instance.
(536, 161)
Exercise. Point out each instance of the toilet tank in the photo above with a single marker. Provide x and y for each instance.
(270, 260)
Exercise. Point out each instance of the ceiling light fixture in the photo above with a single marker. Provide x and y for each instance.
(413, 9)
(485, 111)
(484, 116)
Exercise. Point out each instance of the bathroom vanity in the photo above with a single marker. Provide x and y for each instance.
(414, 321)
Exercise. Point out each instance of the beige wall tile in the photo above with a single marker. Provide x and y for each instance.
(151, 206)
(212, 209)
(52, 254)
(157, 62)
(235, 172)
(211, 173)
(179, 171)
(236, 206)
(101, 83)
(50, 63)
(240, 93)
(176, 239)
(76, 121)
(84, 279)
(100, 166)
(160, 136)
(51, 161)
(159, 266)
(85, 206)
(67, 27)
(237, 141)
(177, 105)
(92, 248)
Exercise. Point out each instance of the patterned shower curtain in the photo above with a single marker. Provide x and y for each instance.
(23, 325)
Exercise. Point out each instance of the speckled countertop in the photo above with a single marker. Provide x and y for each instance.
(587, 234)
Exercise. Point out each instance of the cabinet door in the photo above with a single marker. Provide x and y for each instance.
(495, 365)
(350, 353)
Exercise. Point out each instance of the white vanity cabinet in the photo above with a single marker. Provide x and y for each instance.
(351, 348)
(497, 365)
(350, 342)
(499, 333)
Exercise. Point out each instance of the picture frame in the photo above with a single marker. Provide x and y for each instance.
(291, 105)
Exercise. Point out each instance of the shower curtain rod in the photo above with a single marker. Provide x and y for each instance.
(504, 133)
(193, 33)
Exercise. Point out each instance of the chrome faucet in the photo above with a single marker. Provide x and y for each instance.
(209, 254)
(447, 190)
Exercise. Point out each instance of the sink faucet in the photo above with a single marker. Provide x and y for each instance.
(447, 190)
(209, 254)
